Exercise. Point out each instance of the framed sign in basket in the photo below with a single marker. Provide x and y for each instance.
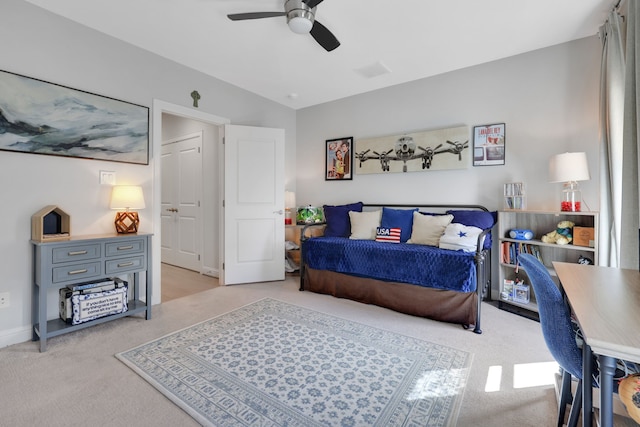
(339, 159)
(39, 117)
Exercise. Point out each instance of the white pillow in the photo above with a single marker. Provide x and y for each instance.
(427, 229)
(364, 224)
(458, 236)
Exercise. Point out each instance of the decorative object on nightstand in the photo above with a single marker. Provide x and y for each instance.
(309, 215)
(125, 197)
(289, 204)
(569, 168)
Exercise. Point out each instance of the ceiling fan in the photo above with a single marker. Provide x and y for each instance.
(301, 20)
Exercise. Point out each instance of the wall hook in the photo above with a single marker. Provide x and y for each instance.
(196, 96)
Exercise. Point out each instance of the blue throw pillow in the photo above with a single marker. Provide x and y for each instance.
(480, 219)
(337, 219)
(398, 218)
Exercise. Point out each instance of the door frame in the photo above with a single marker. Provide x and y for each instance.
(159, 107)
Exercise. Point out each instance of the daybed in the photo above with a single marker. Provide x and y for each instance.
(437, 265)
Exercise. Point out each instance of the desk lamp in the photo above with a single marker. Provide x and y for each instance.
(569, 168)
(125, 197)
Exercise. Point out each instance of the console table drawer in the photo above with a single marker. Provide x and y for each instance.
(124, 248)
(123, 265)
(75, 253)
(76, 272)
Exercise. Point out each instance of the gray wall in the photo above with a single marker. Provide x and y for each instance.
(42, 45)
(547, 98)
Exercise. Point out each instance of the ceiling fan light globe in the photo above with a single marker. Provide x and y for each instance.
(300, 25)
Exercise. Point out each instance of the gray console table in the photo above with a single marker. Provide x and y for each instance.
(84, 258)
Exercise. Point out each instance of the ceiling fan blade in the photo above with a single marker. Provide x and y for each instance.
(312, 3)
(324, 37)
(254, 15)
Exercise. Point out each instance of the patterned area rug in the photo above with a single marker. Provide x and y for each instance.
(271, 363)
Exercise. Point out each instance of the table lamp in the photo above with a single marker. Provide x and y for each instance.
(289, 203)
(569, 168)
(125, 197)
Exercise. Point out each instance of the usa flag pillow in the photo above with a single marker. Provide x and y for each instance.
(388, 234)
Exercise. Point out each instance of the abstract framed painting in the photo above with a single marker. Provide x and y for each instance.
(39, 117)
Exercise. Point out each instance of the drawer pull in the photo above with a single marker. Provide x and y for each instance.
(84, 270)
(125, 264)
(77, 253)
(125, 248)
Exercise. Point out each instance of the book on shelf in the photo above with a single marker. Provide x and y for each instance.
(509, 251)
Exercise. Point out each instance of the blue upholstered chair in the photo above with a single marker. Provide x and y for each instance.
(555, 319)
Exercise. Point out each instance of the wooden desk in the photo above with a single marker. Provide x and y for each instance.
(606, 303)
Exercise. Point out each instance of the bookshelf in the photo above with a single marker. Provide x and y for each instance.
(513, 298)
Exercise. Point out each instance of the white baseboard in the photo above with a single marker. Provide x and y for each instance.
(15, 336)
(211, 272)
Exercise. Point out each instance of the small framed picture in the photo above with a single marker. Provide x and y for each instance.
(521, 293)
(488, 145)
(339, 159)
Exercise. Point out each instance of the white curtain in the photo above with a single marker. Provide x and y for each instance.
(619, 97)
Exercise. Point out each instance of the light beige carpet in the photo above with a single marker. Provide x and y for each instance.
(79, 382)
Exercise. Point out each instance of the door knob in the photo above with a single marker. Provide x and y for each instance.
(280, 212)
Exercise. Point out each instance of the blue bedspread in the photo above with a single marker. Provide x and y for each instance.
(422, 265)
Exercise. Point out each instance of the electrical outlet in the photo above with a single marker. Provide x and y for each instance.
(4, 300)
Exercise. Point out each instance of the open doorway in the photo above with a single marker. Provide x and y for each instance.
(200, 238)
(179, 282)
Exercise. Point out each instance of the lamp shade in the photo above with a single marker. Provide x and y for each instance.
(569, 167)
(127, 197)
(289, 199)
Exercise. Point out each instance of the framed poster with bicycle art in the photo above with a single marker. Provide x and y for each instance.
(339, 159)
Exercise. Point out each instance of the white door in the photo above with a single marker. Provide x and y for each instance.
(253, 205)
(180, 201)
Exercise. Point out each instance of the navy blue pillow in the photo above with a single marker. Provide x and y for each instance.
(337, 219)
(480, 219)
(398, 218)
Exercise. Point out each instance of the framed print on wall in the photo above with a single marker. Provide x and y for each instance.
(429, 150)
(488, 145)
(39, 117)
(339, 159)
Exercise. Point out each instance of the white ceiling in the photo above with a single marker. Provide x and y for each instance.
(412, 38)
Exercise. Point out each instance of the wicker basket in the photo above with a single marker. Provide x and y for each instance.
(629, 391)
